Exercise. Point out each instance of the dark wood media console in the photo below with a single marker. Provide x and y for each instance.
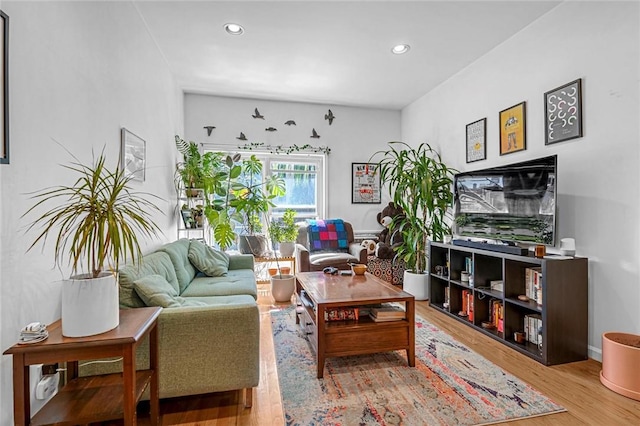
(564, 297)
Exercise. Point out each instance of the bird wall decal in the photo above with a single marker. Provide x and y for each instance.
(258, 115)
(314, 134)
(329, 116)
(290, 123)
(271, 129)
(209, 129)
(242, 137)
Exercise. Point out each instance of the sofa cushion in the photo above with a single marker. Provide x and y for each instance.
(155, 290)
(206, 259)
(338, 259)
(237, 282)
(178, 252)
(151, 264)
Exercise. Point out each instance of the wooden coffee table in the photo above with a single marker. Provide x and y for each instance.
(341, 338)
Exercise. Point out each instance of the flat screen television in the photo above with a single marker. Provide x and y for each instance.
(511, 203)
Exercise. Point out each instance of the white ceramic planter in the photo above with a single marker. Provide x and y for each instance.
(282, 287)
(416, 284)
(620, 361)
(90, 305)
(287, 249)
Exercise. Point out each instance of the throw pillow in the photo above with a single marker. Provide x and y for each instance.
(155, 290)
(206, 259)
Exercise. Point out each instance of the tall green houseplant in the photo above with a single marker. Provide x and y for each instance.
(421, 184)
(97, 221)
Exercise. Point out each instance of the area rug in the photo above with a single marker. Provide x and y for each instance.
(450, 384)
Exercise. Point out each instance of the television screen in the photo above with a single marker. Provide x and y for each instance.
(515, 202)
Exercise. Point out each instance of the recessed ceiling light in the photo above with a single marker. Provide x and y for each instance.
(400, 49)
(233, 29)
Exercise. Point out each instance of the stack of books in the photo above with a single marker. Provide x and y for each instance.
(387, 312)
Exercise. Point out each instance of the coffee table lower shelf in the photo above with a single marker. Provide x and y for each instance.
(90, 399)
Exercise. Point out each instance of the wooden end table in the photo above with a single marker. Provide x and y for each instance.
(362, 336)
(94, 398)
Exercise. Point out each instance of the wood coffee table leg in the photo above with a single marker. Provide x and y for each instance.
(320, 366)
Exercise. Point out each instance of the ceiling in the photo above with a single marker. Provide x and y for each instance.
(332, 52)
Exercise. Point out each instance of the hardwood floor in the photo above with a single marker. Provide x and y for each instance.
(576, 386)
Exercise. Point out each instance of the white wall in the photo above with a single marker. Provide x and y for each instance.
(355, 134)
(78, 73)
(598, 174)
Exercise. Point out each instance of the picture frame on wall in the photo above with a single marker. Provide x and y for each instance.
(477, 140)
(133, 155)
(513, 129)
(4, 88)
(365, 183)
(563, 113)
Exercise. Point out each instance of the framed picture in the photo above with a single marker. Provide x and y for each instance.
(365, 183)
(133, 155)
(477, 141)
(513, 129)
(4, 88)
(563, 113)
(187, 218)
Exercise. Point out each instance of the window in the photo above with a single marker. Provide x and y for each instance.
(304, 175)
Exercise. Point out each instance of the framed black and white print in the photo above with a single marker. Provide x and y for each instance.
(563, 113)
(4, 88)
(477, 141)
(365, 183)
(133, 155)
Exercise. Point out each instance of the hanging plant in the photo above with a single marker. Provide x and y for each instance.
(284, 149)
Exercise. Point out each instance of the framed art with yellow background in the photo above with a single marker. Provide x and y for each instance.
(513, 129)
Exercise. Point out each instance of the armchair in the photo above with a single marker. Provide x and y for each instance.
(308, 259)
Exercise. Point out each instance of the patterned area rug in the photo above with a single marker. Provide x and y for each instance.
(450, 385)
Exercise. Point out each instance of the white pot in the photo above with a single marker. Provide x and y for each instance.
(90, 305)
(282, 287)
(287, 249)
(416, 284)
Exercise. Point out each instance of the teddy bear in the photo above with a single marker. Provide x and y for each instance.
(389, 238)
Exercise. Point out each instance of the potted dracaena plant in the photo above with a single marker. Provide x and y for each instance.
(421, 184)
(97, 221)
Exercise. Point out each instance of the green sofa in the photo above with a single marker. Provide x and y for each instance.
(209, 329)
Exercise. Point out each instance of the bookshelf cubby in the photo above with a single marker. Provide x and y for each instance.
(563, 336)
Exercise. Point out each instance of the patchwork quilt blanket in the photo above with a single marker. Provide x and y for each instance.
(327, 235)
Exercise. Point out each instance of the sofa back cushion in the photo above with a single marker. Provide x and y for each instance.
(208, 260)
(157, 263)
(178, 252)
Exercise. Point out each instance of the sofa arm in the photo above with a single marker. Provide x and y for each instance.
(302, 259)
(241, 261)
(201, 349)
(359, 251)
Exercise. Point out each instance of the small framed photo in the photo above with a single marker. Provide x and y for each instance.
(187, 218)
(133, 155)
(563, 113)
(477, 141)
(365, 183)
(513, 129)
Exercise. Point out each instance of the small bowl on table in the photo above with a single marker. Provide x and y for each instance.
(358, 268)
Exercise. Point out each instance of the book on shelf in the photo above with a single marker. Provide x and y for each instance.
(497, 314)
(387, 312)
(533, 328)
(467, 304)
(533, 284)
(341, 314)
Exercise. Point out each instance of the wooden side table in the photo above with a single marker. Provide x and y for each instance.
(95, 398)
(273, 259)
